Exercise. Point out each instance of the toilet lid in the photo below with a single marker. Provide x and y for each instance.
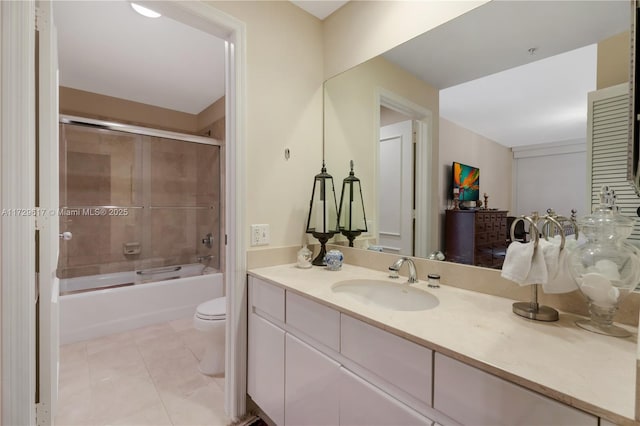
(213, 309)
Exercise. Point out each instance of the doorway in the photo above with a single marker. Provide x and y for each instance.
(19, 331)
(405, 208)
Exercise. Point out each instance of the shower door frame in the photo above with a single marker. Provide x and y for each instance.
(19, 122)
(113, 126)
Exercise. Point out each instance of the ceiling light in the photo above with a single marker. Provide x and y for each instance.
(145, 11)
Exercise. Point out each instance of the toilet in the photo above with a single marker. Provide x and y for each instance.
(210, 318)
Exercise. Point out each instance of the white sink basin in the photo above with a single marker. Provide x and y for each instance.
(386, 295)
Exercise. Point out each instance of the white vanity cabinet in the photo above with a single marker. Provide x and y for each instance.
(309, 364)
(471, 396)
(266, 348)
(362, 404)
(311, 386)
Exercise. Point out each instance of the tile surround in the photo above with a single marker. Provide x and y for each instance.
(109, 168)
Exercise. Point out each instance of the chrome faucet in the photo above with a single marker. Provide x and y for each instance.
(413, 277)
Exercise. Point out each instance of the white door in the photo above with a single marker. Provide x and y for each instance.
(395, 185)
(47, 222)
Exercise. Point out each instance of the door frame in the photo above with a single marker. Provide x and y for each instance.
(426, 231)
(17, 123)
(17, 229)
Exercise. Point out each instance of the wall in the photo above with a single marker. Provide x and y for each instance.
(93, 105)
(211, 120)
(361, 30)
(350, 121)
(613, 60)
(555, 173)
(283, 110)
(101, 107)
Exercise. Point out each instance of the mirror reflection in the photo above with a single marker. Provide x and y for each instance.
(502, 91)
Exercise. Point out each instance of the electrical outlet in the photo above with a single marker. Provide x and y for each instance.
(260, 235)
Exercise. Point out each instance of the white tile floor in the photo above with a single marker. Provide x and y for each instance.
(147, 376)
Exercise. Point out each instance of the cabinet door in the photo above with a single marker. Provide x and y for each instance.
(265, 375)
(311, 386)
(471, 396)
(363, 404)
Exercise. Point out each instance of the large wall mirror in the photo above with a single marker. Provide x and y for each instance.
(503, 88)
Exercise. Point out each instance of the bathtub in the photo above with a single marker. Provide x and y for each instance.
(99, 305)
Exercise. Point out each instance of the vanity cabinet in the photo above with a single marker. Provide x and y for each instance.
(266, 350)
(471, 396)
(309, 364)
(311, 386)
(362, 404)
(476, 237)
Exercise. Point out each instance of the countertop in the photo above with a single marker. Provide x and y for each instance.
(585, 370)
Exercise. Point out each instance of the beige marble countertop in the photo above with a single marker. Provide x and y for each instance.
(591, 372)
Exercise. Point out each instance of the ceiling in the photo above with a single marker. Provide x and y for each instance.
(487, 86)
(105, 47)
(319, 9)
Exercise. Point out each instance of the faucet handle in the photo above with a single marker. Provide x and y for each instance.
(393, 272)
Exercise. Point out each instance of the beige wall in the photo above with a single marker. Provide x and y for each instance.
(361, 30)
(93, 105)
(211, 120)
(283, 110)
(494, 161)
(350, 121)
(613, 61)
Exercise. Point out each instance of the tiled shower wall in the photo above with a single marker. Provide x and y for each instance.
(165, 193)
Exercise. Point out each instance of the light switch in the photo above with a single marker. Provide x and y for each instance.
(260, 235)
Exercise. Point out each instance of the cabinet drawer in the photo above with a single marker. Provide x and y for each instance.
(400, 362)
(471, 396)
(488, 226)
(265, 298)
(481, 238)
(480, 227)
(317, 321)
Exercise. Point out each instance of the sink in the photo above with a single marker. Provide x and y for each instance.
(386, 295)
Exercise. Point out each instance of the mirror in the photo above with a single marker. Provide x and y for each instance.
(526, 134)
(633, 168)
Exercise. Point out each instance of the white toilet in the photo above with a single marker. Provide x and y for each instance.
(210, 318)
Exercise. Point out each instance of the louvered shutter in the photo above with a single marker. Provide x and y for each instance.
(607, 150)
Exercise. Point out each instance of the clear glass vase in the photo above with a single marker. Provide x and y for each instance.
(606, 268)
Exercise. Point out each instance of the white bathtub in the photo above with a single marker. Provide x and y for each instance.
(125, 306)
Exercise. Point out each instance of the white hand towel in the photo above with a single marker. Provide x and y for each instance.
(538, 273)
(517, 262)
(559, 280)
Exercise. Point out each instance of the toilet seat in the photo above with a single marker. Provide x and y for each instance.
(212, 310)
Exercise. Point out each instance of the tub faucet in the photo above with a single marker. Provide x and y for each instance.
(413, 278)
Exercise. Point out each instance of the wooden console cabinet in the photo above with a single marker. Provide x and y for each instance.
(476, 237)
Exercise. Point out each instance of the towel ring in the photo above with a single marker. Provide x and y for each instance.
(545, 230)
(531, 224)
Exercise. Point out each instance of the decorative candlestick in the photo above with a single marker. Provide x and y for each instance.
(486, 201)
(456, 198)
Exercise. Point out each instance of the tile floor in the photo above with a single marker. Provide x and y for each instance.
(147, 376)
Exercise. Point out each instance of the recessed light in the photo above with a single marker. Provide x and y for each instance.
(145, 11)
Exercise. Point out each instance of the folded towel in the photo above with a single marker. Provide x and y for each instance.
(517, 262)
